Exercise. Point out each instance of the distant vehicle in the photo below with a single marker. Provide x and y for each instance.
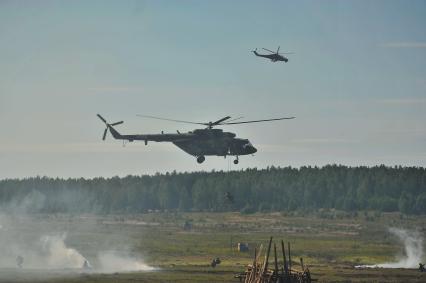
(199, 142)
(274, 56)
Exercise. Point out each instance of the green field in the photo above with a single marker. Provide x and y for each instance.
(331, 243)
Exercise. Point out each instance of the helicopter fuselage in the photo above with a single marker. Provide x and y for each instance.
(273, 57)
(200, 142)
(215, 142)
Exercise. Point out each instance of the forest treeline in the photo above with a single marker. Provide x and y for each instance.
(345, 188)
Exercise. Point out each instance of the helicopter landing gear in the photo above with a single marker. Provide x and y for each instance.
(236, 161)
(200, 159)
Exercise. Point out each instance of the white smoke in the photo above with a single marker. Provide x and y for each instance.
(50, 252)
(29, 240)
(47, 252)
(117, 262)
(413, 250)
(55, 254)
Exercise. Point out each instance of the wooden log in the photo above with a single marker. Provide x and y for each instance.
(284, 260)
(289, 257)
(265, 266)
(254, 268)
(259, 253)
(276, 261)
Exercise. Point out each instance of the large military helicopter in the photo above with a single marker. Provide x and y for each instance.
(199, 142)
(274, 56)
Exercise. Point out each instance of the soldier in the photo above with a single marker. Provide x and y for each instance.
(215, 262)
(86, 265)
(229, 197)
(421, 267)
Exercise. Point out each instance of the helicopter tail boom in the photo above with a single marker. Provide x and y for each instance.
(114, 132)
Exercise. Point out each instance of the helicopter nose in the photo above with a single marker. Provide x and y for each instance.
(249, 148)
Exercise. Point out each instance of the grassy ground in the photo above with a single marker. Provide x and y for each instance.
(331, 245)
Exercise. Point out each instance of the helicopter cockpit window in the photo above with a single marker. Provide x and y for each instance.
(248, 144)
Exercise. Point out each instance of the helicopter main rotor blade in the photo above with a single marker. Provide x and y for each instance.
(268, 50)
(232, 120)
(105, 133)
(257, 121)
(286, 53)
(220, 120)
(172, 120)
(278, 50)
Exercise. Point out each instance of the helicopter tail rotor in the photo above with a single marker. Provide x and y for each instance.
(108, 126)
(102, 118)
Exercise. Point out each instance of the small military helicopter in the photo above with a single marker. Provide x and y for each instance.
(274, 56)
(199, 142)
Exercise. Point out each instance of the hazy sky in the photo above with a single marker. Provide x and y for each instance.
(356, 83)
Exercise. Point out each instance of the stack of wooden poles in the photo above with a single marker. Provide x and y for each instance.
(260, 271)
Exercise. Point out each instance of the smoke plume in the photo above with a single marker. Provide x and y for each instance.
(119, 262)
(50, 252)
(413, 250)
(31, 239)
